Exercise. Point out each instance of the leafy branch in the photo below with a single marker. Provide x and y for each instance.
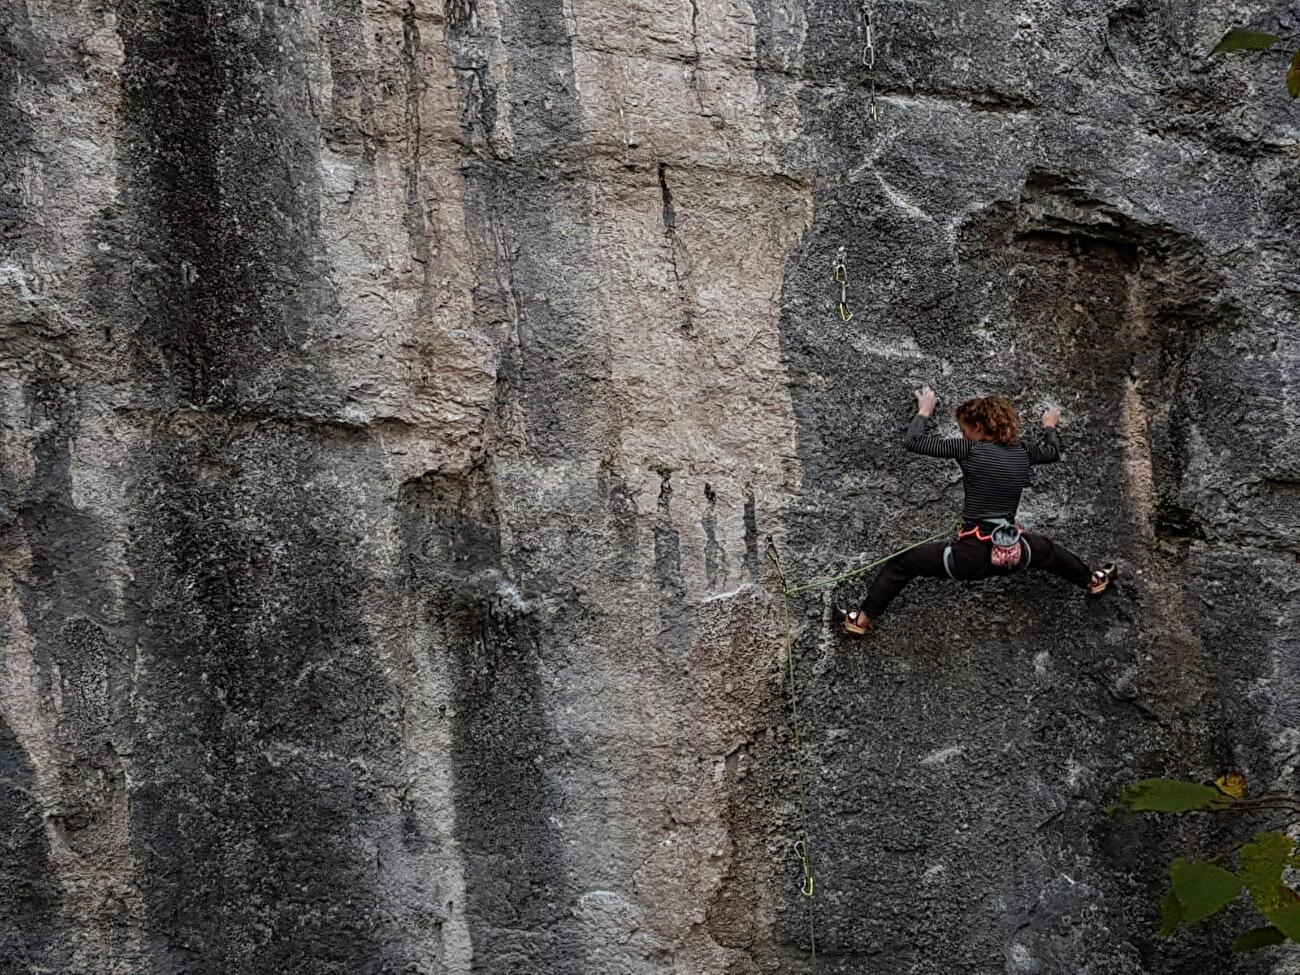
(1239, 39)
(1201, 888)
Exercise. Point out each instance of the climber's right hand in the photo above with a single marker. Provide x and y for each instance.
(926, 400)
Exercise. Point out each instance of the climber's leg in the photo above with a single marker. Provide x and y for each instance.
(924, 560)
(1055, 558)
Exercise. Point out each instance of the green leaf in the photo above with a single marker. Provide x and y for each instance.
(1293, 76)
(1240, 39)
(1171, 913)
(1262, 862)
(1288, 918)
(1202, 888)
(1258, 938)
(1171, 796)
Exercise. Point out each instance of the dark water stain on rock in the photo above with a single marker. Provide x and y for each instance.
(222, 170)
(17, 48)
(31, 939)
(81, 663)
(529, 214)
(674, 615)
(348, 120)
(668, 556)
(518, 895)
(264, 721)
(61, 549)
(63, 588)
(273, 725)
(621, 518)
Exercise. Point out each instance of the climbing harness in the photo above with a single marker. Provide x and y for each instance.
(869, 60)
(1008, 545)
(803, 846)
(842, 279)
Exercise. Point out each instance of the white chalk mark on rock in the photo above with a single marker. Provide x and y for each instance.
(899, 200)
(943, 755)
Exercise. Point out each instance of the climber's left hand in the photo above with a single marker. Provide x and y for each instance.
(926, 400)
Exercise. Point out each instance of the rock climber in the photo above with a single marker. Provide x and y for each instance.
(995, 467)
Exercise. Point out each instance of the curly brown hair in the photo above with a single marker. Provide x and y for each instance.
(991, 416)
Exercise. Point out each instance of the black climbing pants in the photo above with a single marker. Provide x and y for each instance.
(970, 560)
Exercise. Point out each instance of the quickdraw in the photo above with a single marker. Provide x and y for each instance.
(842, 279)
(869, 60)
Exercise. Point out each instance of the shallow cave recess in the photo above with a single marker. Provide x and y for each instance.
(1111, 305)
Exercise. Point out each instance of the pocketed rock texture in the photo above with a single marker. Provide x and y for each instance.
(398, 401)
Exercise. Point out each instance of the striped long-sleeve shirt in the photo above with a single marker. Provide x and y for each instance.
(993, 474)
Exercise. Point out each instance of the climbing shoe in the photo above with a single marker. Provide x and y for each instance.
(1102, 579)
(855, 622)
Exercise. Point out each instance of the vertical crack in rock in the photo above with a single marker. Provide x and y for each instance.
(695, 64)
(670, 218)
(695, 29)
(416, 224)
(751, 535)
(677, 253)
(715, 553)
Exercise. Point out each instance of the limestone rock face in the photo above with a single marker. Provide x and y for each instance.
(398, 399)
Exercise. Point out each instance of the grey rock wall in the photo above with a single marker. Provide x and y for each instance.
(398, 400)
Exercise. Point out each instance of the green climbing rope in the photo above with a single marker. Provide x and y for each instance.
(863, 569)
(803, 846)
